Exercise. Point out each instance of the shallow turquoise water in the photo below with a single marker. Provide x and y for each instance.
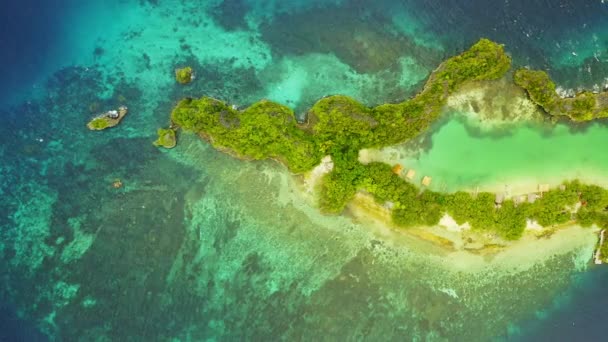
(200, 246)
(460, 156)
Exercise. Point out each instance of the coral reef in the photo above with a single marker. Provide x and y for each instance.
(337, 125)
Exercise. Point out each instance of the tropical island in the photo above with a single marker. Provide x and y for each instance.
(338, 127)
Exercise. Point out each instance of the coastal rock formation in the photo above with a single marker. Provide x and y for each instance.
(108, 119)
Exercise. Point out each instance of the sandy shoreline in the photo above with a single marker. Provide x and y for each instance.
(462, 250)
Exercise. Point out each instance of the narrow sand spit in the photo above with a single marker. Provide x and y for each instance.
(452, 247)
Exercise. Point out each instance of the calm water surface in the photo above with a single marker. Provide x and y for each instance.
(197, 245)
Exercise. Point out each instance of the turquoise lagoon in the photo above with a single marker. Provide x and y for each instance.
(462, 157)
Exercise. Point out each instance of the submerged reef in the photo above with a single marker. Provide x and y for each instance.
(338, 126)
(584, 106)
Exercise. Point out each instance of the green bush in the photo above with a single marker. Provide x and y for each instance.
(184, 75)
(539, 86)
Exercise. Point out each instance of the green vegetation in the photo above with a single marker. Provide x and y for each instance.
(184, 75)
(584, 106)
(337, 125)
(413, 207)
(166, 138)
(98, 123)
(340, 126)
(264, 130)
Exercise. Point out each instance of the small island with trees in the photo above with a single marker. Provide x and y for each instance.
(184, 75)
(339, 127)
(108, 119)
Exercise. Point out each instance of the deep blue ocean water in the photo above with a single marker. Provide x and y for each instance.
(45, 158)
(27, 35)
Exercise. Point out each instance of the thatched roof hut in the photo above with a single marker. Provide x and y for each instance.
(426, 180)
